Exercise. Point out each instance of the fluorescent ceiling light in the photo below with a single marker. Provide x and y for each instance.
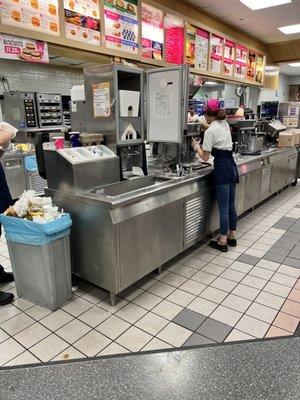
(270, 68)
(260, 4)
(295, 64)
(290, 29)
(211, 83)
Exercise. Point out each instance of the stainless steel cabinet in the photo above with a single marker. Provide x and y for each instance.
(240, 195)
(252, 188)
(266, 181)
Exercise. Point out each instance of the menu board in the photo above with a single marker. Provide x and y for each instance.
(121, 25)
(201, 49)
(17, 48)
(241, 54)
(82, 20)
(37, 15)
(259, 68)
(174, 32)
(229, 49)
(190, 45)
(251, 65)
(152, 32)
(216, 53)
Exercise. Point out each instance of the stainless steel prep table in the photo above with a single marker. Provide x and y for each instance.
(122, 232)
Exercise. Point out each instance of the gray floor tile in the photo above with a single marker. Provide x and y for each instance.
(295, 253)
(214, 330)
(279, 250)
(285, 223)
(274, 257)
(189, 319)
(291, 235)
(246, 258)
(197, 340)
(292, 262)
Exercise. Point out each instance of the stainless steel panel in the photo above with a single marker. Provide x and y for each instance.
(15, 175)
(240, 196)
(148, 241)
(35, 182)
(252, 188)
(266, 182)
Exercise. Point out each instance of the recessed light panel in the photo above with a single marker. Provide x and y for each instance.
(260, 4)
(290, 29)
(295, 64)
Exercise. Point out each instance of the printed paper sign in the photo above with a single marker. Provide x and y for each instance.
(190, 45)
(37, 15)
(101, 99)
(17, 48)
(81, 27)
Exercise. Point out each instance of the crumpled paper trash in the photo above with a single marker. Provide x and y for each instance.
(33, 207)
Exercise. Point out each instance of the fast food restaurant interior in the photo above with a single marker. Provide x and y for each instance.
(150, 202)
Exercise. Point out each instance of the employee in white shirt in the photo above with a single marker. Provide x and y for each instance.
(218, 143)
(7, 133)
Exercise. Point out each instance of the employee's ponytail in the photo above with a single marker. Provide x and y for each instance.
(221, 115)
(218, 114)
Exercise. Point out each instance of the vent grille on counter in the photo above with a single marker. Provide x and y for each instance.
(196, 217)
(266, 182)
(37, 183)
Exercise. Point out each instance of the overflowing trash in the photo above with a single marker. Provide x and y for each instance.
(34, 208)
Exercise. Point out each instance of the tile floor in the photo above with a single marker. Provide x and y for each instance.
(201, 297)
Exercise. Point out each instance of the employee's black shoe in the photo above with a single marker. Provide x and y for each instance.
(216, 245)
(6, 277)
(5, 298)
(232, 242)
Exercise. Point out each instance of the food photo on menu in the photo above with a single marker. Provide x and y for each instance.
(82, 27)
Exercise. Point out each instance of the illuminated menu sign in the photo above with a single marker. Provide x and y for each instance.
(259, 68)
(251, 65)
(36, 15)
(241, 55)
(174, 31)
(121, 25)
(216, 54)
(152, 32)
(229, 56)
(201, 49)
(82, 20)
(190, 45)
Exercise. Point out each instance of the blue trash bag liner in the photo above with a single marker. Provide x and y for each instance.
(23, 231)
(31, 164)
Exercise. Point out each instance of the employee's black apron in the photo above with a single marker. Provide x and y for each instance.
(5, 197)
(225, 169)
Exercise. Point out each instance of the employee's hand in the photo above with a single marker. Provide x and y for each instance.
(195, 144)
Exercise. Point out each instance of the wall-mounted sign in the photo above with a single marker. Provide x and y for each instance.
(190, 45)
(36, 15)
(216, 53)
(259, 68)
(121, 25)
(229, 50)
(202, 48)
(152, 32)
(174, 31)
(241, 54)
(17, 48)
(251, 65)
(82, 20)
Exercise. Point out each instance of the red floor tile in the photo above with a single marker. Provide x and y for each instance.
(297, 286)
(295, 295)
(291, 308)
(286, 322)
(276, 332)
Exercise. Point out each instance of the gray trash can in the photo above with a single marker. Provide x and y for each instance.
(40, 258)
(43, 273)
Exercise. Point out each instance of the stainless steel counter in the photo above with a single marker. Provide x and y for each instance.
(123, 231)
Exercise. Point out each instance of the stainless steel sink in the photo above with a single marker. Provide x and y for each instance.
(122, 189)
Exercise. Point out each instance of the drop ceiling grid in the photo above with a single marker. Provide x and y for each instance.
(262, 24)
